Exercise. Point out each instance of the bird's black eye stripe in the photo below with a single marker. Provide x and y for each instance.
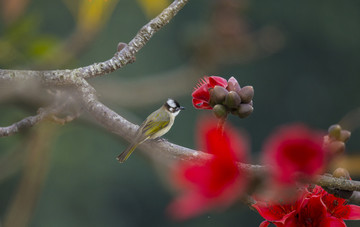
(177, 104)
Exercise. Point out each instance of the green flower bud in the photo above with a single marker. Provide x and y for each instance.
(334, 131)
(220, 111)
(246, 94)
(218, 94)
(232, 100)
(245, 110)
(344, 135)
(341, 173)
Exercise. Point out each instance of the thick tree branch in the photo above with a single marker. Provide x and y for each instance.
(120, 59)
(338, 183)
(125, 129)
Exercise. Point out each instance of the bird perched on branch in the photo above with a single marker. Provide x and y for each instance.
(156, 124)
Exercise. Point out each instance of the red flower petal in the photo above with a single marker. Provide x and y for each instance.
(274, 212)
(264, 224)
(201, 95)
(315, 208)
(229, 145)
(312, 212)
(294, 149)
(333, 222)
(353, 214)
(216, 80)
(215, 183)
(187, 206)
(291, 221)
(199, 104)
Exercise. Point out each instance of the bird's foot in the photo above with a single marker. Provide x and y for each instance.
(161, 139)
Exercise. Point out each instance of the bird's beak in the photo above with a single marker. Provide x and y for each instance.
(182, 108)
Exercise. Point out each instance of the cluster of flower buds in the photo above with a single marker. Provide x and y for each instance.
(232, 99)
(334, 142)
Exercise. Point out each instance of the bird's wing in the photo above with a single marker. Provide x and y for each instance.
(151, 126)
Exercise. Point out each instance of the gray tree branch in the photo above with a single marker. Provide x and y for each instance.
(120, 59)
(125, 129)
(76, 76)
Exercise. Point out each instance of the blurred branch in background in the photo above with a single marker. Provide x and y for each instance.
(36, 156)
(351, 120)
(12, 161)
(228, 38)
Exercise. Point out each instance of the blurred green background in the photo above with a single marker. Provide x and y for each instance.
(302, 57)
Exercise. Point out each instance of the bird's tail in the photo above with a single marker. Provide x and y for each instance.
(125, 154)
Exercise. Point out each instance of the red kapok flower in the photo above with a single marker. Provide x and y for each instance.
(314, 208)
(294, 150)
(201, 95)
(275, 213)
(311, 213)
(338, 207)
(216, 182)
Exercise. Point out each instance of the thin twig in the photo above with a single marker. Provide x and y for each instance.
(23, 124)
(120, 59)
(48, 113)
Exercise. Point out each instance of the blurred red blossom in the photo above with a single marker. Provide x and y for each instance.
(201, 94)
(215, 183)
(294, 152)
(314, 208)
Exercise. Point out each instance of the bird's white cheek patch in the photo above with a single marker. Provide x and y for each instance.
(176, 113)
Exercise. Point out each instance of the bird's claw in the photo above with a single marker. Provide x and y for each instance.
(161, 139)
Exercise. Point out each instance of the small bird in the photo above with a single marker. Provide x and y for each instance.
(156, 124)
